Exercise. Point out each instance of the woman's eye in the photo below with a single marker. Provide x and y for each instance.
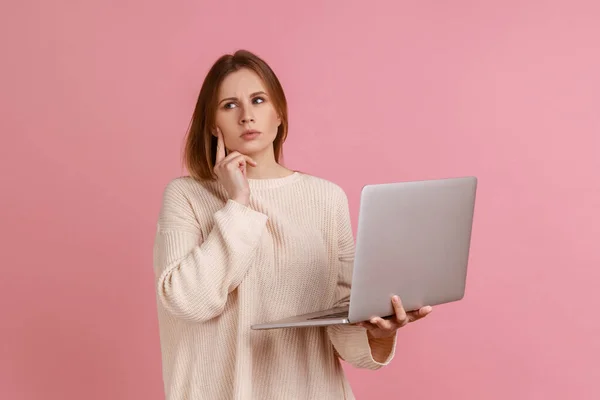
(256, 100)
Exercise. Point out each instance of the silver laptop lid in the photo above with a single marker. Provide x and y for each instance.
(413, 240)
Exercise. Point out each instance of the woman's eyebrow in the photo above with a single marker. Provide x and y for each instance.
(252, 95)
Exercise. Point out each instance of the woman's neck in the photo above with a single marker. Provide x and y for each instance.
(266, 168)
(269, 171)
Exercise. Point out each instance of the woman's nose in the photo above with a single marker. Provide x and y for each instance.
(246, 118)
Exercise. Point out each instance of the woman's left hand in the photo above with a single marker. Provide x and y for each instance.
(380, 328)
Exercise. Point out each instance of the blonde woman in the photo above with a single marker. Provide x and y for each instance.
(243, 240)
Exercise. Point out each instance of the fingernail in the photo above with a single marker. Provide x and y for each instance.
(395, 299)
(373, 321)
(428, 308)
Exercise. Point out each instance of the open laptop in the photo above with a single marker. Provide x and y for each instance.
(413, 240)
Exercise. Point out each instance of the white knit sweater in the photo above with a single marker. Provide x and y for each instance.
(221, 267)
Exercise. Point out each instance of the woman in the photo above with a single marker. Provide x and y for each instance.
(244, 240)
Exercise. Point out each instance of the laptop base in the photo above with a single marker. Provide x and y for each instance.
(333, 316)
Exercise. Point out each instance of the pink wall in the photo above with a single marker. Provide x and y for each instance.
(95, 100)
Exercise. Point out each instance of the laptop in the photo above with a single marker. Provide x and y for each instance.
(413, 240)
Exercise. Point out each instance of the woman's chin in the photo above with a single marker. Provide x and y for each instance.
(252, 148)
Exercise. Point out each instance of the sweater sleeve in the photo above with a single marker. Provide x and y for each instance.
(351, 342)
(194, 274)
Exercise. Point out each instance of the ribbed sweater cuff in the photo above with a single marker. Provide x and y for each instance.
(352, 343)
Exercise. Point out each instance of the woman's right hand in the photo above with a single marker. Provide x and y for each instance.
(231, 172)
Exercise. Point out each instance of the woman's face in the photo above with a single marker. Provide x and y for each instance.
(245, 114)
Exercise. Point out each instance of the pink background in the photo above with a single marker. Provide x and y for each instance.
(95, 100)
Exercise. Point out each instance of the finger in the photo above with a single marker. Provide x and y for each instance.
(251, 161)
(401, 317)
(382, 324)
(237, 160)
(367, 325)
(220, 146)
(230, 157)
(420, 313)
(239, 163)
(234, 157)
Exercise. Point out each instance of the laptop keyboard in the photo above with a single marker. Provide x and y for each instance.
(334, 315)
